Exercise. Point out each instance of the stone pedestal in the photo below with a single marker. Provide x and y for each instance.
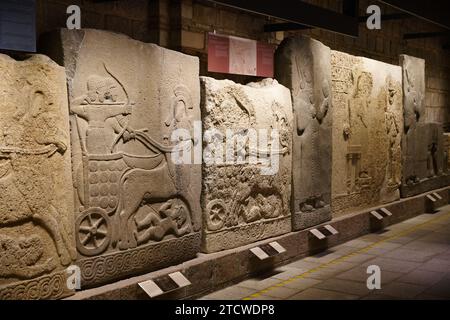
(367, 131)
(422, 143)
(246, 180)
(36, 202)
(136, 208)
(304, 66)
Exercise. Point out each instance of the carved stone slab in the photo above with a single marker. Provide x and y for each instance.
(367, 129)
(304, 66)
(423, 154)
(241, 202)
(446, 152)
(136, 210)
(36, 202)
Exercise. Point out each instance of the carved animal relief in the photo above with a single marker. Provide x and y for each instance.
(240, 203)
(36, 238)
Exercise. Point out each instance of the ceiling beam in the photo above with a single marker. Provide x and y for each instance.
(388, 17)
(436, 11)
(296, 26)
(421, 35)
(298, 12)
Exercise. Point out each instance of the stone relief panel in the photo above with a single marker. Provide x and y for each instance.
(36, 203)
(446, 165)
(422, 143)
(136, 209)
(304, 66)
(367, 124)
(241, 203)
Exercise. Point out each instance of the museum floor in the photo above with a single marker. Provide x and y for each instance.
(414, 258)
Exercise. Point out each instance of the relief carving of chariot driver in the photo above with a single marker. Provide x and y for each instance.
(104, 114)
(143, 179)
(27, 148)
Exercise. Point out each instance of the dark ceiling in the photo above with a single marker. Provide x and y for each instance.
(435, 11)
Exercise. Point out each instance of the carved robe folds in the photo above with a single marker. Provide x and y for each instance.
(423, 154)
(247, 170)
(303, 65)
(136, 210)
(367, 130)
(36, 202)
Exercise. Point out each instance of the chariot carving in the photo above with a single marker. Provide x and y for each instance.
(117, 185)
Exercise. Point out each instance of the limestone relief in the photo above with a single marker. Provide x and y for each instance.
(423, 154)
(303, 65)
(240, 204)
(36, 239)
(136, 209)
(367, 104)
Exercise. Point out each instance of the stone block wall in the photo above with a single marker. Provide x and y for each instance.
(184, 24)
(387, 44)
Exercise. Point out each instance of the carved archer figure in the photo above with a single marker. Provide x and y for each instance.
(104, 114)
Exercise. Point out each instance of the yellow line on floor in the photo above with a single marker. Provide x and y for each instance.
(345, 257)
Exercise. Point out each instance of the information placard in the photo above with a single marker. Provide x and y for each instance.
(229, 54)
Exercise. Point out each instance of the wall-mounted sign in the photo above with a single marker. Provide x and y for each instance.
(228, 54)
(18, 25)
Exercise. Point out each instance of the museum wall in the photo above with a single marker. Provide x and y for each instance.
(185, 25)
(135, 209)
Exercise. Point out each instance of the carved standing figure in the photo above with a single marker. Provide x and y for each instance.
(392, 130)
(358, 112)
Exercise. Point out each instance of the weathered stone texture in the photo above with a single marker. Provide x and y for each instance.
(36, 202)
(136, 210)
(367, 124)
(422, 142)
(241, 203)
(446, 152)
(304, 66)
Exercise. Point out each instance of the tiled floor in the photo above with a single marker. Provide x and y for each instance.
(413, 256)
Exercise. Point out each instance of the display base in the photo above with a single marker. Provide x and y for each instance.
(425, 185)
(303, 220)
(212, 272)
(242, 235)
(123, 264)
(49, 287)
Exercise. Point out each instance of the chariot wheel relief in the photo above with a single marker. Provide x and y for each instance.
(93, 232)
(216, 214)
